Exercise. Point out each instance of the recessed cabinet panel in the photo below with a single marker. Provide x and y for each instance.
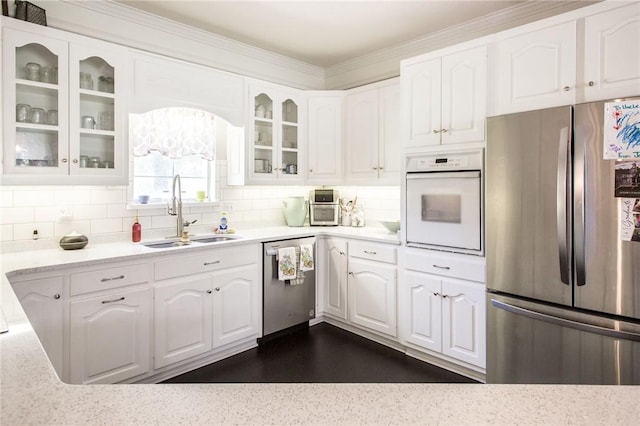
(423, 311)
(325, 140)
(537, 69)
(335, 272)
(422, 103)
(362, 135)
(611, 58)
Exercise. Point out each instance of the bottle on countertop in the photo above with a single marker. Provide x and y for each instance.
(136, 231)
(223, 224)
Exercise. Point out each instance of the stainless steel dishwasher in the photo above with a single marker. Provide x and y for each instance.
(285, 303)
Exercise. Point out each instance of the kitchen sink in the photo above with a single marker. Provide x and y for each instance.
(201, 240)
(212, 239)
(165, 244)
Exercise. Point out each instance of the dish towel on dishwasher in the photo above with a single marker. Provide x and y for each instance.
(287, 268)
(306, 257)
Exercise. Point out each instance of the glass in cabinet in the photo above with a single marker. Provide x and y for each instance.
(35, 131)
(275, 136)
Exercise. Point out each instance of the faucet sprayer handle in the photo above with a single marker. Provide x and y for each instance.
(187, 223)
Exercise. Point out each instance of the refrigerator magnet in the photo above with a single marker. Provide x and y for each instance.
(630, 219)
(627, 179)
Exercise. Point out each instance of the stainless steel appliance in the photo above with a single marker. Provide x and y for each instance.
(563, 288)
(324, 207)
(286, 304)
(444, 201)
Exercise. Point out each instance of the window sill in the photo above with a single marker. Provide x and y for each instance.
(163, 205)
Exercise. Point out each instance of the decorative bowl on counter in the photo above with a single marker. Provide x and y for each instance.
(391, 225)
(73, 241)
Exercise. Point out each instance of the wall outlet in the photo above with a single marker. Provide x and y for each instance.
(227, 207)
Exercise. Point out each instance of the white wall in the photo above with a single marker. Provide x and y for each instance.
(101, 212)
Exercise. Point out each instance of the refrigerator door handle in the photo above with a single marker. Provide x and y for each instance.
(579, 184)
(561, 205)
(589, 328)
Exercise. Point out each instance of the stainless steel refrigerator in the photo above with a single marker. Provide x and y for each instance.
(563, 289)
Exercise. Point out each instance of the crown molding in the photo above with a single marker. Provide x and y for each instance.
(385, 63)
(97, 18)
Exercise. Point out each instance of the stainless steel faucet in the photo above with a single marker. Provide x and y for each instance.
(175, 207)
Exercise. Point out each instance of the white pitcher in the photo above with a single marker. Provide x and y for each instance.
(295, 210)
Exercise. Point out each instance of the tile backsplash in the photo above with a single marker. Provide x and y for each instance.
(103, 214)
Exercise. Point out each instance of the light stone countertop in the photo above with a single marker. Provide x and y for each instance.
(31, 393)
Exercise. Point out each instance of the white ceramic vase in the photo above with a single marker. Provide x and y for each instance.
(295, 210)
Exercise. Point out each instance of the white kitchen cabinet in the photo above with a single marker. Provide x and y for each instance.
(443, 305)
(333, 276)
(57, 149)
(110, 336)
(44, 303)
(237, 304)
(206, 301)
(276, 134)
(183, 312)
(372, 286)
(324, 156)
(444, 97)
(373, 134)
(536, 69)
(611, 67)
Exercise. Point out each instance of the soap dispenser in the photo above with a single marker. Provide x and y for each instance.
(223, 223)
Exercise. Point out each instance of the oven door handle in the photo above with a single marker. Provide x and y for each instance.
(475, 174)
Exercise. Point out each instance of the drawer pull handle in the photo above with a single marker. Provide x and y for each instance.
(441, 267)
(104, 280)
(370, 252)
(211, 263)
(56, 296)
(113, 300)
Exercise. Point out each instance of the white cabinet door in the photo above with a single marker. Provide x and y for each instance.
(44, 305)
(611, 54)
(537, 70)
(236, 304)
(325, 139)
(372, 295)
(335, 276)
(463, 321)
(422, 311)
(421, 97)
(109, 337)
(464, 96)
(182, 319)
(390, 144)
(362, 136)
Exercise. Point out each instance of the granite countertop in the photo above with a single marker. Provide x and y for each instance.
(31, 393)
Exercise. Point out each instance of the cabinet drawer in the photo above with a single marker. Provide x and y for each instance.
(108, 278)
(206, 262)
(372, 251)
(449, 265)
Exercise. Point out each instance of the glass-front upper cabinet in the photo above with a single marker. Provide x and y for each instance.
(64, 113)
(35, 99)
(97, 77)
(275, 135)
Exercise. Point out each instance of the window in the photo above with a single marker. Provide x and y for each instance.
(168, 142)
(153, 175)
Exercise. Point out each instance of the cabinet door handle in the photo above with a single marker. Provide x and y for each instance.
(380, 168)
(209, 291)
(375, 168)
(217, 288)
(310, 170)
(341, 253)
(592, 83)
(351, 273)
(211, 263)
(444, 296)
(64, 160)
(75, 161)
(435, 293)
(56, 296)
(370, 252)
(436, 131)
(566, 88)
(444, 130)
(104, 280)
(113, 300)
(441, 267)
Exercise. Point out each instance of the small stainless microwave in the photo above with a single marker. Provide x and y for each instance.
(324, 207)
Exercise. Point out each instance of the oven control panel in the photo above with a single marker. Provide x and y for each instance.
(445, 162)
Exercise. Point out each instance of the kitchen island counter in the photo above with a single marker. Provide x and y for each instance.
(31, 392)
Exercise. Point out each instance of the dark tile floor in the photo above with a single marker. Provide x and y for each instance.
(320, 354)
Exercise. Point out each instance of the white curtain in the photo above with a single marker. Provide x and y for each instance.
(174, 132)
